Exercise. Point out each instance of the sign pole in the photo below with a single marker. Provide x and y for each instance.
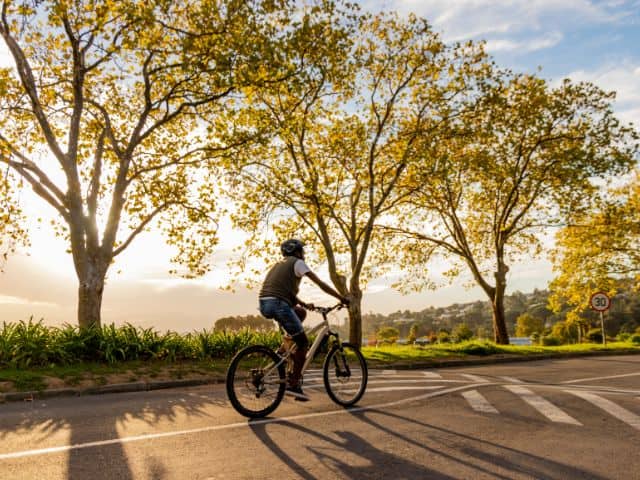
(600, 302)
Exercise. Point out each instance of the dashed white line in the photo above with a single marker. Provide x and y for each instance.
(611, 408)
(543, 406)
(431, 375)
(478, 402)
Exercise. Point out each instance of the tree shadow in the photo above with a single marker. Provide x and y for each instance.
(480, 451)
(94, 423)
(377, 463)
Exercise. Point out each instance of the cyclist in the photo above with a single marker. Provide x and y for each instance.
(279, 301)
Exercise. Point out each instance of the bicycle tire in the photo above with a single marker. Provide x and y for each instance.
(345, 374)
(247, 391)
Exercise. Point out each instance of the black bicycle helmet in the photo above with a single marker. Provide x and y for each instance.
(291, 247)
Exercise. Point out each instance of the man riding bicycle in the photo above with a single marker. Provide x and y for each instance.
(279, 301)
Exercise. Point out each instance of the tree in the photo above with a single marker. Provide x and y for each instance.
(105, 117)
(340, 140)
(527, 160)
(388, 334)
(527, 325)
(597, 249)
(413, 334)
(462, 332)
(253, 322)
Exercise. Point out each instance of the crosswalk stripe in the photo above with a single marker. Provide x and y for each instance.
(474, 378)
(611, 408)
(511, 379)
(543, 406)
(478, 402)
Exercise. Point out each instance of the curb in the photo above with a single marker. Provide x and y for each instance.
(165, 384)
(113, 388)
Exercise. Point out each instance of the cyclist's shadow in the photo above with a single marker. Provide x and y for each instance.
(373, 461)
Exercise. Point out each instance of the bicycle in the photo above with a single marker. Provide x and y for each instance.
(256, 377)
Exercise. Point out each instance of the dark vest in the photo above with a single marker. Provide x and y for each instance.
(281, 281)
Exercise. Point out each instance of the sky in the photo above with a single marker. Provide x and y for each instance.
(596, 41)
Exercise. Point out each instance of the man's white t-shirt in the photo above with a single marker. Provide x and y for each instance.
(300, 268)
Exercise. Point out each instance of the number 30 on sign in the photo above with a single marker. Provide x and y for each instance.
(600, 301)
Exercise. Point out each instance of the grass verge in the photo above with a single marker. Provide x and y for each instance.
(87, 375)
(418, 354)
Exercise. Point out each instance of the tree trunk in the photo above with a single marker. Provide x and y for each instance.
(90, 298)
(355, 318)
(500, 334)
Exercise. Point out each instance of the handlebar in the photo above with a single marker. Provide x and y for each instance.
(325, 310)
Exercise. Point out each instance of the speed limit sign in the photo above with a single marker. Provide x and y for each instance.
(600, 301)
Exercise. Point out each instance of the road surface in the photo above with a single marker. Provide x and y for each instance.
(552, 419)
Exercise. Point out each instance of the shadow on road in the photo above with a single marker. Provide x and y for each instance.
(336, 453)
(95, 419)
(472, 452)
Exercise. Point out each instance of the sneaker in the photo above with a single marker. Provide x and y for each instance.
(297, 393)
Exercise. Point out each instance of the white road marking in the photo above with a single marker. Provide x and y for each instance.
(478, 402)
(431, 375)
(398, 389)
(611, 408)
(545, 407)
(512, 380)
(389, 372)
(245, 424)
(600, 378)
(474, 378)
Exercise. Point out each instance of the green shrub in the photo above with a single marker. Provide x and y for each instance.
(26, 344)
(623, 337)
(594, 335)
(635, 339)
(479, 348)
(461, 333)
(551, 341)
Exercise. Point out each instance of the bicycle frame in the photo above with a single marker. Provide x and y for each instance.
(323, 330)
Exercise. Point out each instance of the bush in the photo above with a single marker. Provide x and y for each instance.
(479, 348)
(462, 333)
(635, 339)
(443, 337)
(388, 335)
(32, 344)
(623, 337)
(551, 341)
(594, 335)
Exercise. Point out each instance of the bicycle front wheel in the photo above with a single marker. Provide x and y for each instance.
(345, 374)
(255, 381)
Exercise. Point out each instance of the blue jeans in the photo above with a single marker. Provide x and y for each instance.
(281, 312)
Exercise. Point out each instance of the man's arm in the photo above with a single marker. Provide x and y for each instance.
(326, 288)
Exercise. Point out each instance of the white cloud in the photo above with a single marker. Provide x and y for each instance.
(462, 19)
(546, 41)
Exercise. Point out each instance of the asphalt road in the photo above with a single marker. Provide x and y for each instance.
(553, 419)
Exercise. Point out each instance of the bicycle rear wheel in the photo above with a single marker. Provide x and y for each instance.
(255, 381)
(345, 374)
